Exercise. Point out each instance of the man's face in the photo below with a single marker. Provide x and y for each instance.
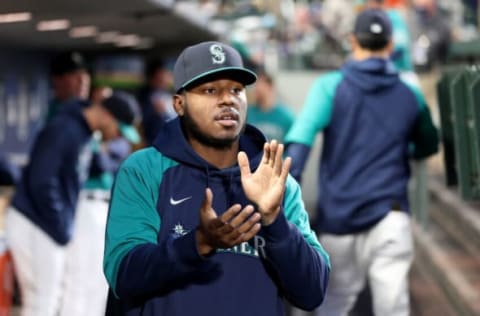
(75, 84)
(263, 89)
(213, 113)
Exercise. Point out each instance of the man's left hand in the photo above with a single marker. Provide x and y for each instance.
(265, 187)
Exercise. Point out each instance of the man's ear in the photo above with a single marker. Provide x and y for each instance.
(179, 103)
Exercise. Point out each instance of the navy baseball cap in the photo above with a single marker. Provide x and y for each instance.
(209, 59)
(126, 111)
(373, 25)
(66, 63)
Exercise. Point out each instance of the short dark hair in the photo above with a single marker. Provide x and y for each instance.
(372, 43)
(67, 62)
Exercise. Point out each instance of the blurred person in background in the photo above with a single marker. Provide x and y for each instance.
(268, 114)
(373, 123)
(401, 55)
(156, 99)
(337, 17)
(432, 34)
(40, 220)
(70, 81)
(86, 288)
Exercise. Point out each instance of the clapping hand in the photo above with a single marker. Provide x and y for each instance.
(233, 227)
(265, 187)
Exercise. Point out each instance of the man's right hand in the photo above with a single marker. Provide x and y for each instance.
(235, 226)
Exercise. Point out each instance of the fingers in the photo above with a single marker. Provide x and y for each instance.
(249, 226)
(235, 217)
(206, 211)
(207, 202)
(240, 218)
(273, 156)
(244, 164)
(286, 169)
(266, 153)
(277, 164)
(273, 152)
(270, 152)
(231, 213)
(241, 226)
(250, 233)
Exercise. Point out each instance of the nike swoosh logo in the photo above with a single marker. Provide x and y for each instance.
(176, 202)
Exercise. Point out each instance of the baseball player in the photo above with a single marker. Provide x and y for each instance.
(373, 123)
(208, 220)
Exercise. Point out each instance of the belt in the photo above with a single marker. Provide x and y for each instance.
(98, 195)
(396, 207)
(94, 198)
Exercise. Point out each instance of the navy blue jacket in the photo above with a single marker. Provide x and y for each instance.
(48, 189)
(373, 123)
(151, 260)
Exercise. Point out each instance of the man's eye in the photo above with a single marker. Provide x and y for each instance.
(210, 91)
(237, 90)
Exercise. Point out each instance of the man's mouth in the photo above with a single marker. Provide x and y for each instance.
(228, 118)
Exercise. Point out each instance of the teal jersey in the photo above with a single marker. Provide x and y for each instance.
(136, 215)
(274, 123)
(402, 57)
(316, 111)
(151, 259)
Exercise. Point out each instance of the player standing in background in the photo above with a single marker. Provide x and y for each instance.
(39, 223)
(268, 114)
(70, 81)
(85, 291)
(373, 123)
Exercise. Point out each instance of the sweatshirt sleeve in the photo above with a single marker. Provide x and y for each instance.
(44, 187)
(299, 154)
(315, 115)
(292, 249)
(316, 111)
(132, 252)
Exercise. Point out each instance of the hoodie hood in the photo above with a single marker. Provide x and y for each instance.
(171, 142)
(371, 74)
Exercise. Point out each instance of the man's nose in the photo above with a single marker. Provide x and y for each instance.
(227, 97)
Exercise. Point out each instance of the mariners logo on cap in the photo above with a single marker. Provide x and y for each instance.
(218, 55)
(376, 28)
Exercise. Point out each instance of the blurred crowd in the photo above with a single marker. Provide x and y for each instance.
(314, 34)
